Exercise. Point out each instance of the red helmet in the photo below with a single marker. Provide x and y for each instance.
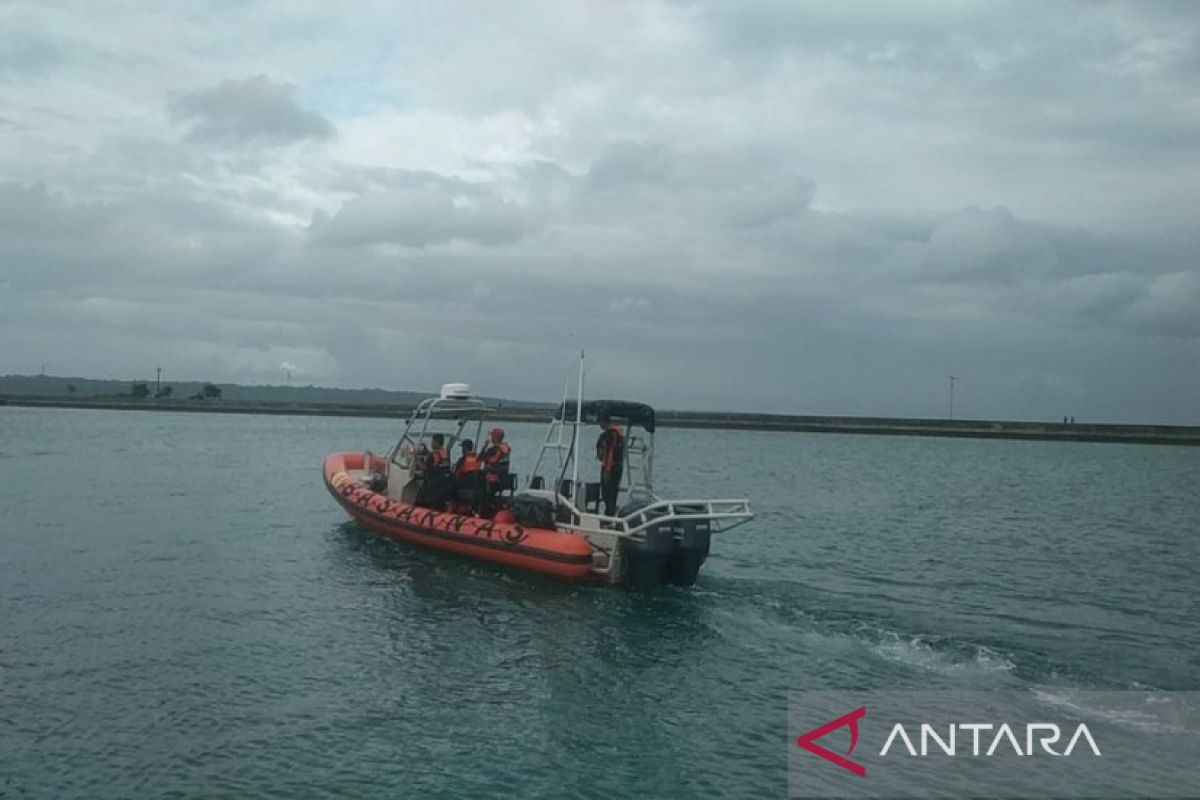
(497, 434)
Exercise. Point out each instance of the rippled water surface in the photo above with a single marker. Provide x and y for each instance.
(183, 610)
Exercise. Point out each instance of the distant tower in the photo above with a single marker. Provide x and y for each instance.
(952, 380)
(158, 381)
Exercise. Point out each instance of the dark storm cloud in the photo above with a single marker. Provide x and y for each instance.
(818, 279)
(628, 274)
(1169, 306)
(248, 110)
(28, 211)
(731, 188)
(975, 245)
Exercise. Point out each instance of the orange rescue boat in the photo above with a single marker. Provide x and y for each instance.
(554, 527)
(348, 477)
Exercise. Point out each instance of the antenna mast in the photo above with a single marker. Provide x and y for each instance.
(578, 425)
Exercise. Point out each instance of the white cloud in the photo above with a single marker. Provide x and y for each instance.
(423, 214)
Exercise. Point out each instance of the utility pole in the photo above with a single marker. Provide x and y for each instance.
(952, 380)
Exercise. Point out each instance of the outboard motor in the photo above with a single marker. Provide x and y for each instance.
(646, 559)
(691, 550)
(685, 543)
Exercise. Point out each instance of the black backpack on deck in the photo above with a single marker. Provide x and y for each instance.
(533, 512)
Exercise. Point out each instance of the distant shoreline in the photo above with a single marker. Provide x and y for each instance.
(885, 426)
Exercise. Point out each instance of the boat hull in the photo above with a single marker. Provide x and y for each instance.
(545, 551)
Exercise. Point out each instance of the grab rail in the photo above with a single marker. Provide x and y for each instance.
(727, 514)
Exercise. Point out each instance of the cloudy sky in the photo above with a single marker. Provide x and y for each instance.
(776, 206)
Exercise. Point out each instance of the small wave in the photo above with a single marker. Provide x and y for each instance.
(1146, 718)
(1138, 686)
(919, 653)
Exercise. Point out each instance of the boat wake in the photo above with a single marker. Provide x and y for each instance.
(1154, 715)
(924, 654)
(832, 627)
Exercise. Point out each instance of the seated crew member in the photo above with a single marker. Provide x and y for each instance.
(437, 460)
(438, 486)
(610, 452)
(468, 475)
(496, 458)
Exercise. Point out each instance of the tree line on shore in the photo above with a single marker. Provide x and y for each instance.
(59, 386)
(55, 386)
(141, 391)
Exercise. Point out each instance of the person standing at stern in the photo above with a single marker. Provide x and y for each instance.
(610, 452)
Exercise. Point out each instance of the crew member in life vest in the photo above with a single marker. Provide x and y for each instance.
(610, 452)
(437, 460)
(437, 486)
(496, 457)
(468, 463)
(468, 475)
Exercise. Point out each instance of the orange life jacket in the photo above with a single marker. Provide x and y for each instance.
(610, 448)
(495, 458)
(435, 462)
(466, 465)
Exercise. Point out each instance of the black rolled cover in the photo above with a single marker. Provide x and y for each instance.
(593, 410)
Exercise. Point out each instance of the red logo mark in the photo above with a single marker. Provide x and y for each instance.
(809, 741)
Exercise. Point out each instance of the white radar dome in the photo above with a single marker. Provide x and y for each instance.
(455, 391)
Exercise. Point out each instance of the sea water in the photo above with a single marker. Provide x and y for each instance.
(184, 611)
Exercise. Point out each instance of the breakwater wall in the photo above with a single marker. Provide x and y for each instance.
(784, 423)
